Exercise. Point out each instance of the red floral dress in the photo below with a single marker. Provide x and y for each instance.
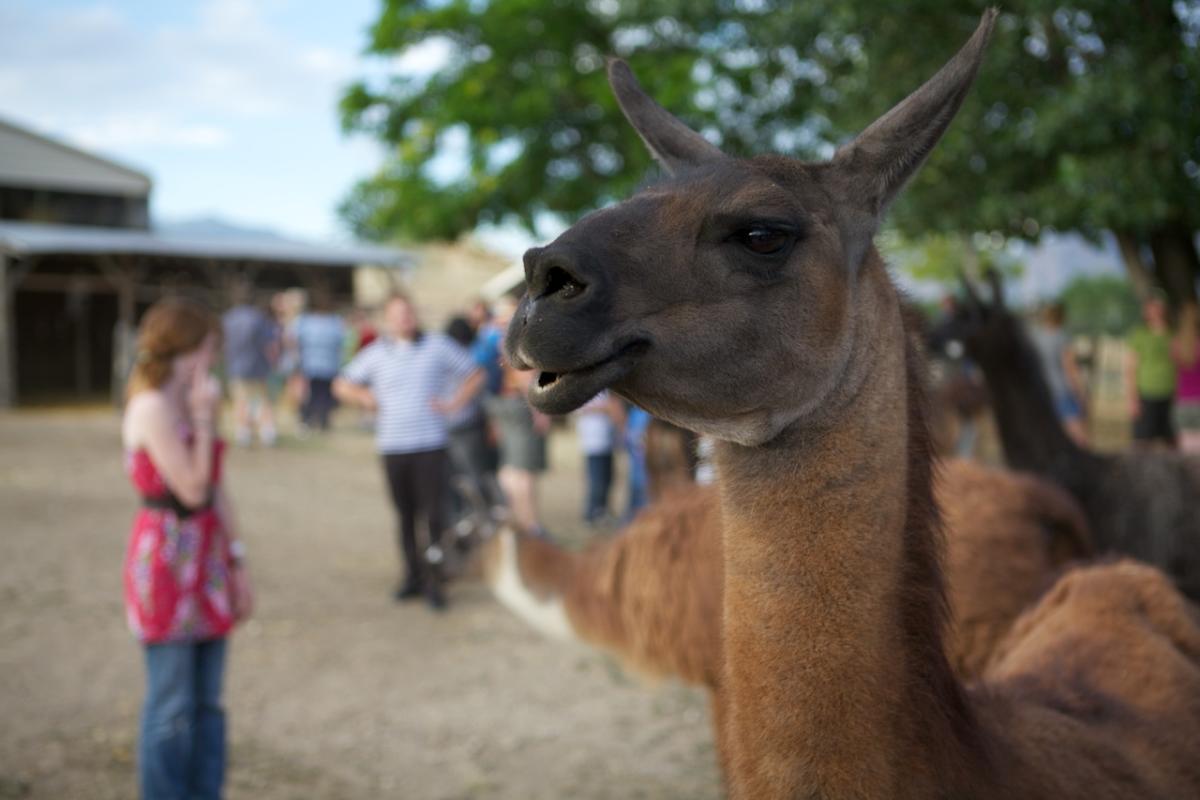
(177, 566)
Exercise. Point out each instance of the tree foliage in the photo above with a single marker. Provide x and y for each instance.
(1100, 305)
(1086, 115)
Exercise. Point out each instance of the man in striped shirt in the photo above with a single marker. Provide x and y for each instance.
(413, 380)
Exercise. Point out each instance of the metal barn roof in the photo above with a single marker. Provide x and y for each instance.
(24, 239)
(31, 160)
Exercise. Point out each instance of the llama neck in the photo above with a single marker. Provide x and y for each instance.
(1030, 431)
(837, 682)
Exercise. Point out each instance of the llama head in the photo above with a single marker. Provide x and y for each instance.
(990, 333)
(726, 297)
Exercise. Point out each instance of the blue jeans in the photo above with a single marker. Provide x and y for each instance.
(600, 475)
(638, 481)
(181, 749)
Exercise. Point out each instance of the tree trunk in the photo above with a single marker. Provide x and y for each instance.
(1140, 273)
(1176, 262)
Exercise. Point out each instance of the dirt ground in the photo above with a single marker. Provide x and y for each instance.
(333, 690)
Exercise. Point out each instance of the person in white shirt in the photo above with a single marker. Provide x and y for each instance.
(598, 425)
(413, 380)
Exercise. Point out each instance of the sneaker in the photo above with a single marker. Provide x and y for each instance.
(434, 597)
(409, 590)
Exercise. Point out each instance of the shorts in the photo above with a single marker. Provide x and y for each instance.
(1154, 420)
(521, 446)
(1067, 407)
(248, 390)
(1187, 415)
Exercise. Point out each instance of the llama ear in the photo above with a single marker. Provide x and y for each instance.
(971, 295)
(997, 283)
(872, 169)
(672, 143)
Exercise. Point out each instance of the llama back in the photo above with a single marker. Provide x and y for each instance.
(651, 595)
(1008, 537)
(1109, 662)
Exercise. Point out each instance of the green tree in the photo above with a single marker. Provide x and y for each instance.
(945, 257)
(1086, 116)
(1100, 305)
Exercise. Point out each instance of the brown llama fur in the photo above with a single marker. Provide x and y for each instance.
(1008, 537)
(1109, 661)
(670, 458)
(651, 595)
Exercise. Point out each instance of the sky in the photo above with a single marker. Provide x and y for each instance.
(229, 105)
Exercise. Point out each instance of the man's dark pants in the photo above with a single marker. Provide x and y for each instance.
(418, 485)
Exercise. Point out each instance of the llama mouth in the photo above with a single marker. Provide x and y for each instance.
(563, 392)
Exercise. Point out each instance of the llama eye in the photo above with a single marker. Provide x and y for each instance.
(762, 241)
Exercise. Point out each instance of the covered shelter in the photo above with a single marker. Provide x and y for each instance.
(71, 295)
(45, 180)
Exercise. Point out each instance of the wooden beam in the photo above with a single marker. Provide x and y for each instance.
(79, 302)
(124, 334)
(8, 338)
(40, 282)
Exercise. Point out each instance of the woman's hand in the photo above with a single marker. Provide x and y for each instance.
(242, 592)
(204, 394)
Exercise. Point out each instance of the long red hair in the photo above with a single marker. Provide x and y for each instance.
(171, 327)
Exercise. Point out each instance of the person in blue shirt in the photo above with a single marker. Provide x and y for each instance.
(320, 336)
(251, 342)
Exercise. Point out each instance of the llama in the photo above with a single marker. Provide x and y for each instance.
(651, 595)
(1144, 504)
(745, 300)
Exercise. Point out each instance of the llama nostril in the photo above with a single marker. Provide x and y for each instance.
(563, 284)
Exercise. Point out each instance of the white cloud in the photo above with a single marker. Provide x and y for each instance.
(423, 59)
(148, 129)
(79, 70)
(230, 104)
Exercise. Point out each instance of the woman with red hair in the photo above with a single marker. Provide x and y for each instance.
(185, 582)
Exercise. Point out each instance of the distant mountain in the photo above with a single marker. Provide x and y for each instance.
(215, 228)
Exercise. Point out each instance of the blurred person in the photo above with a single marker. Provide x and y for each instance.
(470, 450)
(1150, 374)
(479, 315)
(320, 335)
(285, 381)
(637, 423)
(1185, 352)
(522, 430)
(184, 575)
(414, 381)
(598, 425)
(1053, 348)
(706, 468)
(488, 345)
(251, 344)
(360, 332)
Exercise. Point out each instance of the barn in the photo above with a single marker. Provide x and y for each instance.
(80, 261)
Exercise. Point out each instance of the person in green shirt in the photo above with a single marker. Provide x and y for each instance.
(1150, 376)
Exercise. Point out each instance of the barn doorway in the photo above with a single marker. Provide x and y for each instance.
(64, 346)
